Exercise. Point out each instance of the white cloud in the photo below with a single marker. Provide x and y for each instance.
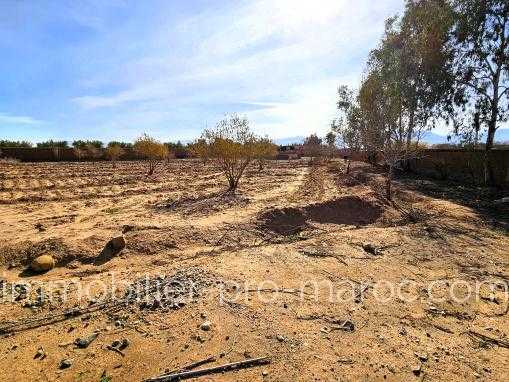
(7, 119)
(289, 56)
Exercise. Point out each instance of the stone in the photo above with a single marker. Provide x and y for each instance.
(206, 326)
(43, 263)
(41, 354)
(65, 364)
(118, 242)
(370, 248)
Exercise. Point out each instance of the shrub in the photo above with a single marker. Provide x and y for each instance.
(264, 149)
(113, 152)
(312, 146)
(232, 144)
(200, 149)
(151, 149)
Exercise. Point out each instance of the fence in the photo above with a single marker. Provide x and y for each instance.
(57, 154)
(463, 166)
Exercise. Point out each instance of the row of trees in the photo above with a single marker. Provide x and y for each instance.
(231, 144)
(442, 61)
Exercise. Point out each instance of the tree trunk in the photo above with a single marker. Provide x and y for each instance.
(492, 127)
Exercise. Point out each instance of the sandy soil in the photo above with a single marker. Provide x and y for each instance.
(297, 266)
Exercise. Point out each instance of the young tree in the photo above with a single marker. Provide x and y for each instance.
(312, 146)
(264, 149)
(200, 149)
(151, 149)
(91, 151)
(80, 153)
(330, 138)
(114, 152)
(233, 146)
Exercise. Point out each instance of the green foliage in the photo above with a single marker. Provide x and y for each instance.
(80, 144)
(7, 143)
(51, 144)
(124, 145)
(480, 37)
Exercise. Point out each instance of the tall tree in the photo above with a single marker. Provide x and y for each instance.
(481, 64)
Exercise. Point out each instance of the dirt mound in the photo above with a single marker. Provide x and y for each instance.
(24, 253)
(284, 221)
(349, 210)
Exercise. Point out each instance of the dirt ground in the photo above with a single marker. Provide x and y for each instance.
(306, 265)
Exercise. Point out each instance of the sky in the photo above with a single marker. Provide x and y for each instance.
(114, 69)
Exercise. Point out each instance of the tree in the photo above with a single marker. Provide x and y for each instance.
(7, 143)
(83, 144)
(312, 146)
(92, 151)
(330, 138)
(200, 149)
(53, 144)
(114, 152)
(233, 146)
(151, 149)
(123, 145)
(481, 64)
(264, 149)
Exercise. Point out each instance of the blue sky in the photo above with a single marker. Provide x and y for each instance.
(113, 69)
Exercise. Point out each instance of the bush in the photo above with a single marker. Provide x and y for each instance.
(264, 149)
(113, 152)
(232, 144)
(152, 150)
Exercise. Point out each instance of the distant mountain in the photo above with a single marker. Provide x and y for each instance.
(289, 140)
(502, 135)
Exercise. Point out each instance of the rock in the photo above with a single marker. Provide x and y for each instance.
(117, 243)
(125, 343)
(370, 248)
(206, 326)
(280, 338)
(422, 357)
(116, 344)
(84, 343)
(43, 263)
(265, 373)
(41, 354)
(40, 227)
(65, 364)
(417, 370)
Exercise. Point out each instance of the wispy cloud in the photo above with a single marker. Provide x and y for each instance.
(6, 119)
(170, 67)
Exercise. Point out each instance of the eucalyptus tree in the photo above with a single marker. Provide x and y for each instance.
(480, 38)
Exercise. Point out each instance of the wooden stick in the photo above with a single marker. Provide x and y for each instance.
(192, 365)
(490, 340)
(213, 370)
